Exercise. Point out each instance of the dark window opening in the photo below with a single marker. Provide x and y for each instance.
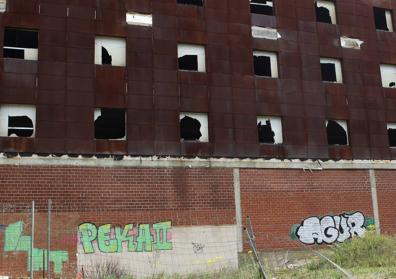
(191, 2)
(380, 19)
(188, 62)
(322, 14)
(262, 7)
(265, 132)
(392, 84)
(328, 72)
(13, 53)
(262, 66)
(392, 137)
(20, 126)
(336, 135)
(190, 128)
(110, 124)
(106, 57)
(20, 38)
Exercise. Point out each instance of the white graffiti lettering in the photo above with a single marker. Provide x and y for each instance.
(331, 229)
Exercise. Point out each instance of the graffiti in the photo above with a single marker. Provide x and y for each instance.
(108, 239)
(2, 227)
(331, 229)
(198, 247)
(15, 241)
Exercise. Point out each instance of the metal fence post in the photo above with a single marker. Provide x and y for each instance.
(32, 243)
(49, 239)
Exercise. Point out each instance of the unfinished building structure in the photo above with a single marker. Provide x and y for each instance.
(160, 125)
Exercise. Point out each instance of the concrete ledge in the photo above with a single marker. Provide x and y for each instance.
(180, 162)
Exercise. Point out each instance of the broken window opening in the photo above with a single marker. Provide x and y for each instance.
(265, 64)
(322, 14)
(110, 51)
(388, 75)
(392, 134)
(191, 57)
(17, 121)
(191, 2)
(106, 57)
(20, 43)
(325, 11)
(331, 70)
(262, 7)
(188, 63)
(269, 130)
(265, 132)
(194, 127)
(337, 132)
(383, 19)
(110, 124)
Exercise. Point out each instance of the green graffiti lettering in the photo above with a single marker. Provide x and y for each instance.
(122, 236)
(144, 239)
(161, 231)
(105, 243)
(15, 241)
(88, 233)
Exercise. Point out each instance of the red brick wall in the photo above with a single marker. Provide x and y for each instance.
(277, 199)
(386, 192)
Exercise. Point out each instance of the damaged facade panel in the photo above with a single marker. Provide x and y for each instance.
(110, 51)
(3, 6)
(265, 33)
(20, 43)
(383, 19)
(191, 2)
(17, 121)
(262, 7)
(265, 64)
(337, 132)
(325, 11)
(110, 124)
(139, 19)
(388, 75)
(351, 43)
(194, 127)
(391, 127)
(191, 57)
(269, 130)
(331, 70)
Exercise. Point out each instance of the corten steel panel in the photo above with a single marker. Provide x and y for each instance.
(154, 92)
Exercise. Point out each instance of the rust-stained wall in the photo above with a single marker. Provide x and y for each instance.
(66, 86)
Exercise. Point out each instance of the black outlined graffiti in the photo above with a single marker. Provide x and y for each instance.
(331, 229)
(198, 247)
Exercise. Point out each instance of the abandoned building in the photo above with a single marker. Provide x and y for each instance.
(187, 116)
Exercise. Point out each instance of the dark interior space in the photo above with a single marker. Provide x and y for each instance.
(322, 14)
(262, 7)
(190, 128)
(262, 66)
(380, 19)
(23, 122)
(265, 132)
(336, 135)
(392, 137)
(22, 38)
(13, 53)
(106, 57)
(188, 63)
(110, 124)
(191, 2)
(328, 72)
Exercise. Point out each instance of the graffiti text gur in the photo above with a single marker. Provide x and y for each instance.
(15, 241)
(115, 239)
(331, 229)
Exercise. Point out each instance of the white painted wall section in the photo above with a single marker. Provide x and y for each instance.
(189, 49)
(352, 43)
(388, 75)
(389, 21)
(133, 18)
(116, 48)
(265, 33)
